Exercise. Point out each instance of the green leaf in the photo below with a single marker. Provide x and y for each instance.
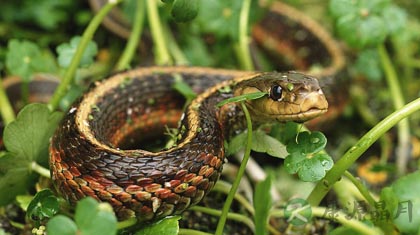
(262, 205)
(14, 177)
(167, 226)
(306, 158)
(43, 205)
(28, 136)
(239, 98)
(368, 64)
(95, 218)
(345, 231)
(66, 52)
(263, 143)
(24, 58)
(183, 88)
(405, 213)
(236, 143)
(62, 225)
(314, 169)
(308, 143)
(219, 17)
(48, 13)
(340, 8)
(395, 18)
(185, 10)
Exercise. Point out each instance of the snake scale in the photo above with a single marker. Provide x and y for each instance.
(95, 151)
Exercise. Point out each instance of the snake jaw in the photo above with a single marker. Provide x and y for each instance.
(299, 98)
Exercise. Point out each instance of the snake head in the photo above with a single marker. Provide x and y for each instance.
(292, 96)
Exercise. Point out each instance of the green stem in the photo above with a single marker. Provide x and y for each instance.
(174, 49)
(127, 223)
(338, 216)
(184, 231)
(74, 64)
(6, 110)
(244, 55)
(231, 216)
(133, 40)
(241, 171)
(40, 170)
(343, 219)
(224, 187)
(161, 50)
(398, 100)
(17, 225)
(358, 149)
(362, 189)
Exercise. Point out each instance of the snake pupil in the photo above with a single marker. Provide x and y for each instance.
(276, 92)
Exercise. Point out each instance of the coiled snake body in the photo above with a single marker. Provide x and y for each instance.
(93, 153)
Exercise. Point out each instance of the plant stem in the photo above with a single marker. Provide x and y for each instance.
(343, 219)
(127, 223)
(338, 216)
(174, 49)
(224, 187)
(232, 216)
(398, 100)
(161, 50)
(345, 162)
(133, 40)
(184, 231)
(241, 171)
(244, 55)
(6, 110)
(362, 189)
(40, 170)
(74, 64)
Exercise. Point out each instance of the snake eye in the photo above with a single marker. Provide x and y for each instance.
(276, 92)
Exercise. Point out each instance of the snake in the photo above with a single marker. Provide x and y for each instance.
(97, 150)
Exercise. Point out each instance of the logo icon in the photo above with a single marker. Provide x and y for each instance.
(298, 212)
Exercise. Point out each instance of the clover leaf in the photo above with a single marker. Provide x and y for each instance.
(25, 58)
(366, 23)
(28, 136)
(167, 226)
(14, 177)
(66, 52)
(43, 205)
(306, 158)
(26, 140)
(91, 217)
(402, 201)
(184, 10)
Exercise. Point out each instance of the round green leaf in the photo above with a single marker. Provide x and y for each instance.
(23, 58)
(66, 52)
(294, 161)
(28, 135)
(308, 143)
(368, 64)
(62, 225)
(167, 226)
(185, 10)
(406, 213)
(339, 8)
(395, 18)
(43, 205)
(313, 169)
(95, 218)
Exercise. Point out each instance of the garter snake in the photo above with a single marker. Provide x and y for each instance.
(92, 152)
